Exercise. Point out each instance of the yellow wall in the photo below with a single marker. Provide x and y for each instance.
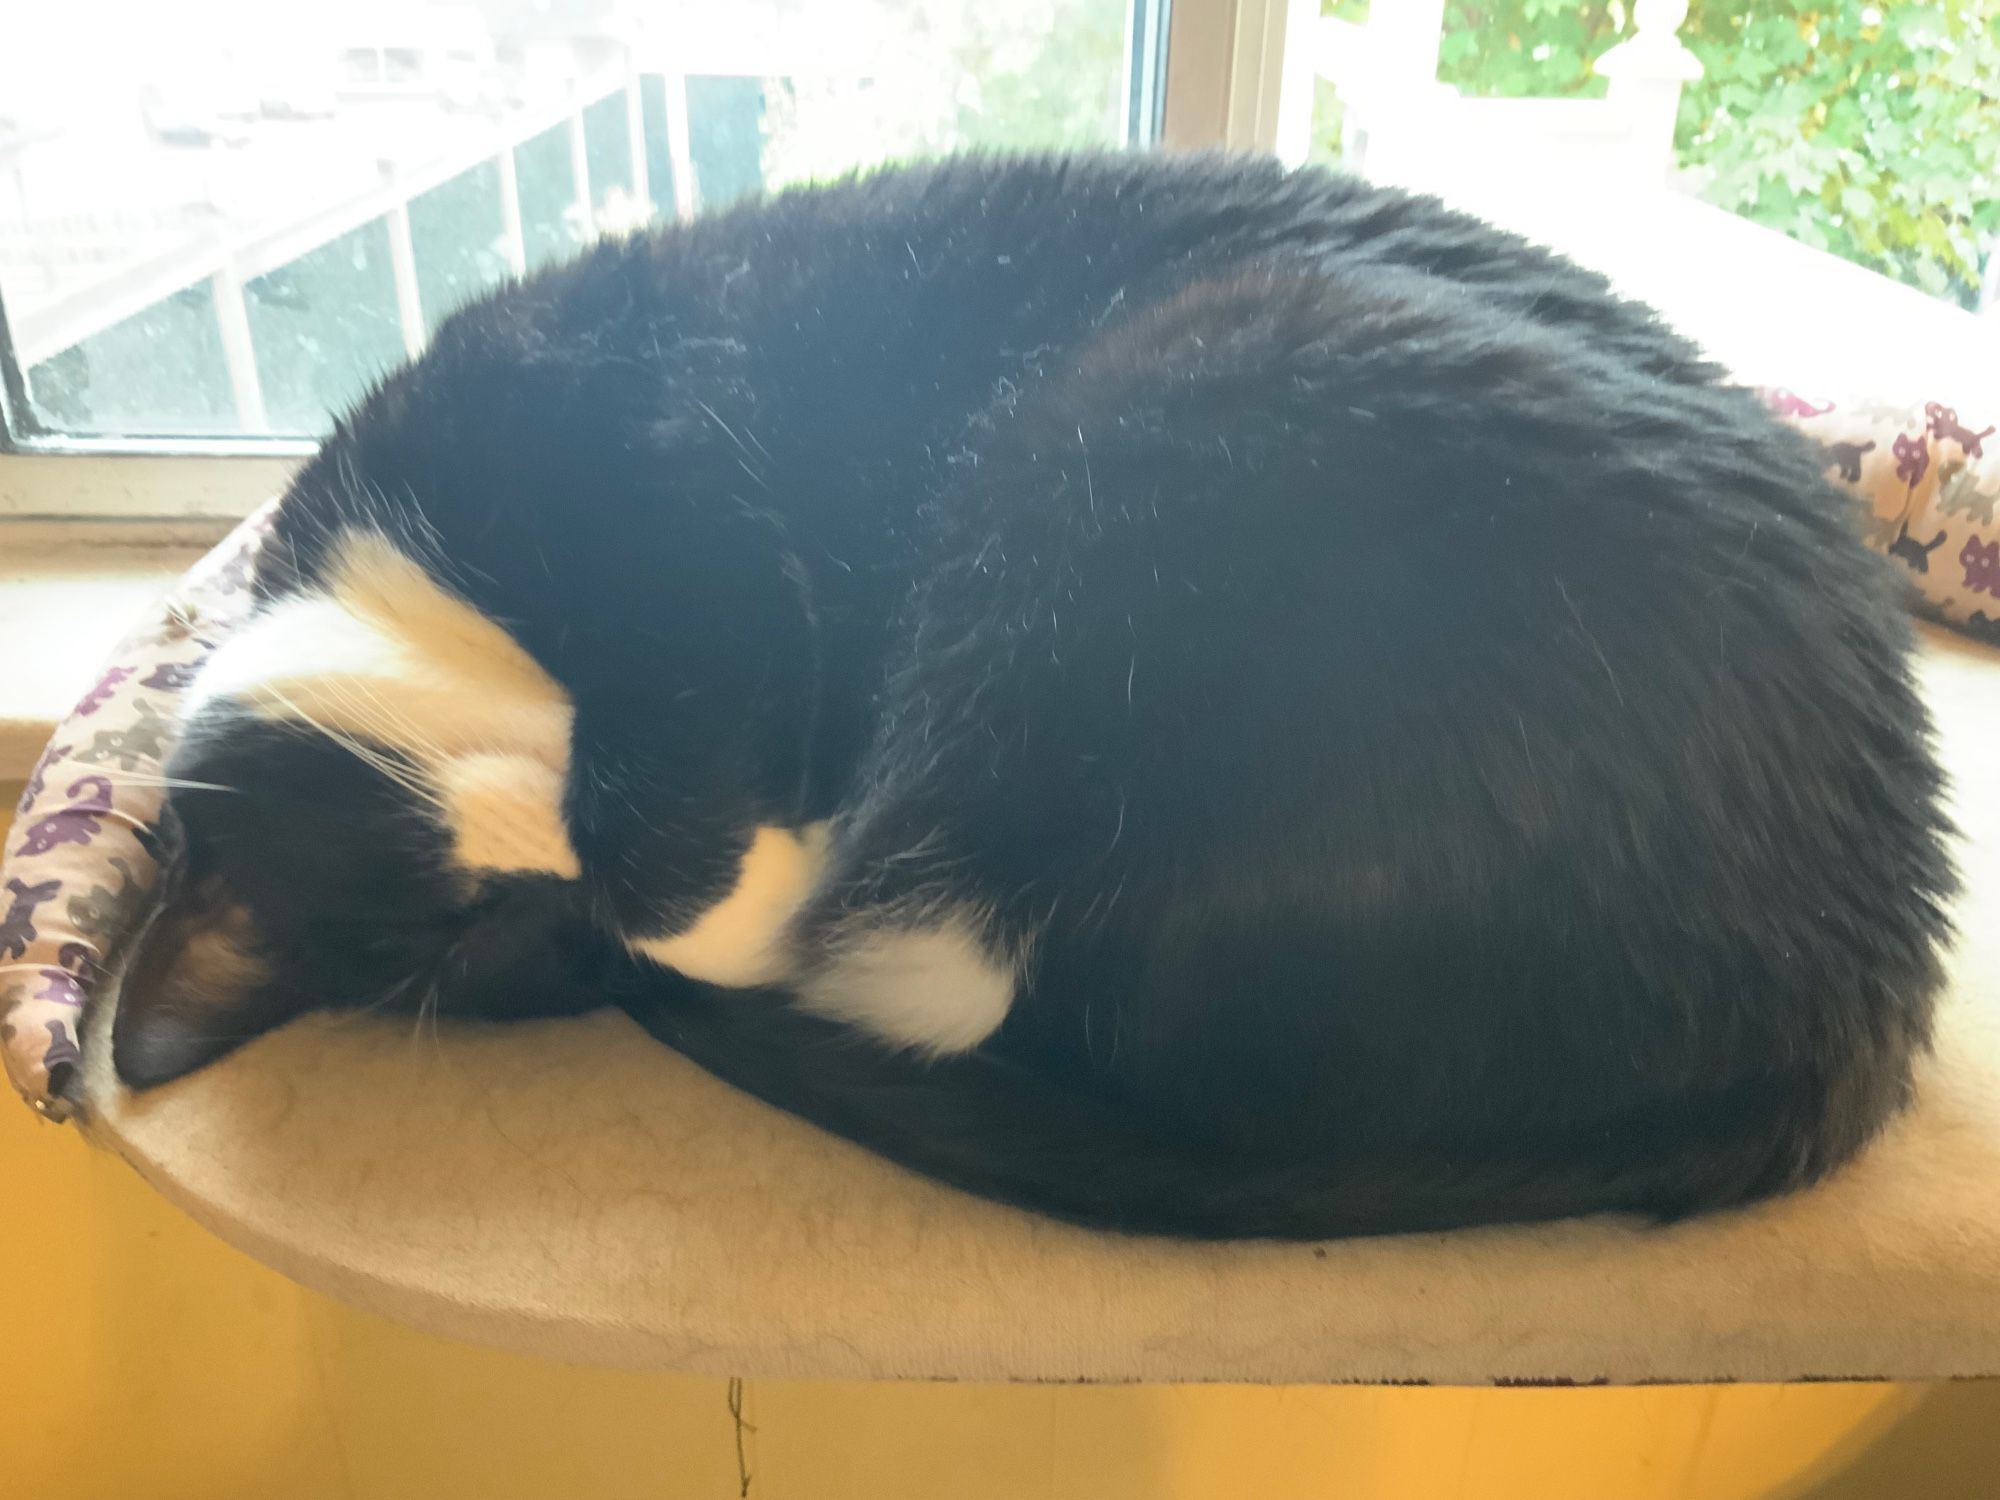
(140, 1359)
(144, 1360)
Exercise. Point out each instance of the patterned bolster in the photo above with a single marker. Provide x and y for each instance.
(1930, 484)
(81, 859)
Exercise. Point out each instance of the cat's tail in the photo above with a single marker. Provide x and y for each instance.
(992, 1127)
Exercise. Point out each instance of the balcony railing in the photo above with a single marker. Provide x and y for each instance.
(103, 288)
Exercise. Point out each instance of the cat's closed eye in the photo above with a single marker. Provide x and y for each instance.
(367, 815)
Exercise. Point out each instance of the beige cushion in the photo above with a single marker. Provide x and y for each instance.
(572, 1189)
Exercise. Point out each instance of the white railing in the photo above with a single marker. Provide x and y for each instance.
(1402, 124)
(227, 262)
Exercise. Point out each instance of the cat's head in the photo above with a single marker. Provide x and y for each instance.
(366, 811)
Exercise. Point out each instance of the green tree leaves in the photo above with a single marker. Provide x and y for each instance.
(1871, 130)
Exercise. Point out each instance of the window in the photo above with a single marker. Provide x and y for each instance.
(221, 221)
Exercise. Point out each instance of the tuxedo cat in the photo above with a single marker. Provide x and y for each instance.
(1192, 697)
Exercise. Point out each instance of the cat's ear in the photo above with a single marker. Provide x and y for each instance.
(195, 987)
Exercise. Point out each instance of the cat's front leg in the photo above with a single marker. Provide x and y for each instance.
(686, 807)
(744, 936)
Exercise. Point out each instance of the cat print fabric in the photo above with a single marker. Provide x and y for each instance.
(78, 863)
(1929, 476)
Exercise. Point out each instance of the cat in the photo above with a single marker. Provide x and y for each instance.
(1194, 698)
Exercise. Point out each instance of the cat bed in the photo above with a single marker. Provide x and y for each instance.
(574, 1190)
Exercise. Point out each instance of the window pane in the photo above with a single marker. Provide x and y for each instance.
(459, 240)
(551, 222)
(201, 203)
(324, 328)
(726, 122)
(608, 151)
(659, 152)
(158, 371)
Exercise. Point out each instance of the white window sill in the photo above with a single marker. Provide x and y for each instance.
(199, 490)
(71, 588)
(68, 594)
(1769, 309)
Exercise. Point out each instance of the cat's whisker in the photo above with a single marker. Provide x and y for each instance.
(409, 733)
(347, 1012)
(370, 704)
(169, 783)
(403, 776)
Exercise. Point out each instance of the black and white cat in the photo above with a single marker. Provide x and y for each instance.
(1191, 697)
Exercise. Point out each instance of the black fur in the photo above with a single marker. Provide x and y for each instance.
(1443, 750)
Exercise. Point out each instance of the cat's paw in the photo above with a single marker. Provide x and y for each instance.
(743, 939)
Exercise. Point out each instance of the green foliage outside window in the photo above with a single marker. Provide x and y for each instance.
(1869, 130)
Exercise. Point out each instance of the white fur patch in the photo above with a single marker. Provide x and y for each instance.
(505, 814)
(386, 655)
(934, 988)
(740, 941)
(383, 656)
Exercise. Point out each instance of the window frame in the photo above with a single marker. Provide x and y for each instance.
(1222, 64)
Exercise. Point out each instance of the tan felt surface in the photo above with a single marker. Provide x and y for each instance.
(574, 1190)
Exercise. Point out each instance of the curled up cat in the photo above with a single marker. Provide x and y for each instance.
(1190, 697)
